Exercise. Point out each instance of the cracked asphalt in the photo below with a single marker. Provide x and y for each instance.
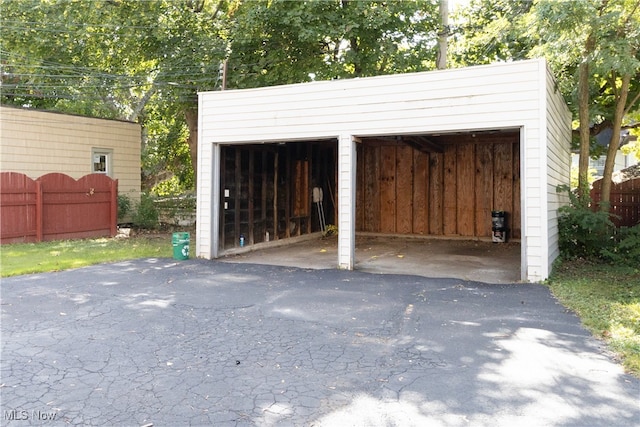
(208, 343)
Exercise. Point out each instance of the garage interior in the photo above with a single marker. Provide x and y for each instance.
(437, 186)
(442, 185)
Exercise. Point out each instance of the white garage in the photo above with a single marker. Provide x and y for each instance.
(426, 154)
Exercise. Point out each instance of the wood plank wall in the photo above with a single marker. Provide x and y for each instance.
(402, 190)
(268, 188)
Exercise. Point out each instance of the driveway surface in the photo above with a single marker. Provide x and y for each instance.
(206, 343)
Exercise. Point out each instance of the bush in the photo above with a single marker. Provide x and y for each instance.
(124, 206)
(146, 214)
(583, 232)
(626, 250)
(168, 187)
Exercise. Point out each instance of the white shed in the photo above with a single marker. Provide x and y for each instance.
(430, 153)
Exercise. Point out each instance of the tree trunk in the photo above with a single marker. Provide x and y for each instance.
(443, 35)
(614, 144)
(191, 117)
(583, 116)
(585, 143)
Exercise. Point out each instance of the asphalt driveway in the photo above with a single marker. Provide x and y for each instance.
(203, 343)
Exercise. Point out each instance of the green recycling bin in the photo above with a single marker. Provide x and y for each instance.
(180, 243)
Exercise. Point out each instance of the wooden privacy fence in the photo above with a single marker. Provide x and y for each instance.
(56, 206)
(625, 201)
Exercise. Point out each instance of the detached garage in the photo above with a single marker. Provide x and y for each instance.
(430, 153)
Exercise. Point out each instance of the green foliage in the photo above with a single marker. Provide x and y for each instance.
(588, 234)
(135, 60)
(166, 150)
(583, 233)
(574, 177)
(490, 31)
(124, 206)
(277, 42)
(626, 250)
(146, 213)
(168, 187)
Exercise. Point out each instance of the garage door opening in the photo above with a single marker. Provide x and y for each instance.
(439, 185)
(409, 188)
(266, 191)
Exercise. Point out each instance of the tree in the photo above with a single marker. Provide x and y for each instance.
(490, 31)
(599, 38)
(278, 42)
(591, 45)
(124, 59)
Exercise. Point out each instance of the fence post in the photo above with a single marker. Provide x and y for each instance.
(39, 213)
(114, 208)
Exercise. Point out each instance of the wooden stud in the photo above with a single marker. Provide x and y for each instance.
(263, 194)
(360, 188)
(275, 195)
(308, 189)
(251, 196)
(514, 219)
(238, 195)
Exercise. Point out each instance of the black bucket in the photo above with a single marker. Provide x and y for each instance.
(498, 226)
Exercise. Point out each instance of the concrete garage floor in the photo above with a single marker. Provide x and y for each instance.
(476, 260)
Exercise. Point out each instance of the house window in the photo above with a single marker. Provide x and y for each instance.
(101, 161)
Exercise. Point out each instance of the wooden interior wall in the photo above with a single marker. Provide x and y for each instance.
(402, 190)
(266, 190)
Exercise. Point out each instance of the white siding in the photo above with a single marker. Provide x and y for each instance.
(460, 99)
(346, 198)
(508, 95)
(204, 196)
(558, 163)
(38, 142)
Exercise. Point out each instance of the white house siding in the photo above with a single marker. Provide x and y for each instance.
(38, 142)
(558, 163)
(498, 96)
(207, 165)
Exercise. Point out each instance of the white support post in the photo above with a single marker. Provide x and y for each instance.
(346, 201)
(215, 201)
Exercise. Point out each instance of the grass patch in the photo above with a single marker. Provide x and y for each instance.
(26, 258)
(607, 300)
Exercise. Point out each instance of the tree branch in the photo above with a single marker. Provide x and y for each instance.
(631, 104)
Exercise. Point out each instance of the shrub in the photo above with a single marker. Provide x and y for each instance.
(124, 206)
(626, 250)
(146, 214)
(168, 187)
(583, 232)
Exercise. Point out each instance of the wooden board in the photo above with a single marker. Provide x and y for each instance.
(450, 197)
(436, 193)
(388, 189)
(503, 179)
(371, 205)
(420, 192)
(404, 189)
(466, 189)
(484, 189)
